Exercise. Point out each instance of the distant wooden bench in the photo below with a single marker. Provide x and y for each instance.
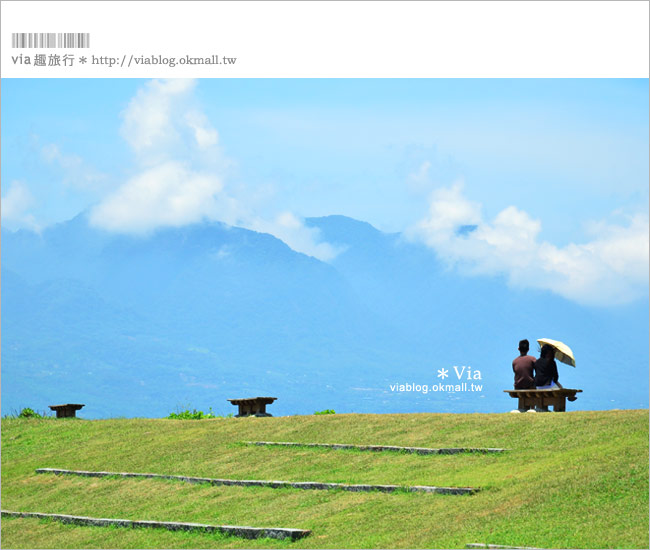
(253, 406)
(529, 399)
(69, 410)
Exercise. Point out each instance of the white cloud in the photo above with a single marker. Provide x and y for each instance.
(150, 122)
(610, 269)
(204, 134)
(449, 210)
(169, 194)
(16, 204)
(175, 185)
(293, 232)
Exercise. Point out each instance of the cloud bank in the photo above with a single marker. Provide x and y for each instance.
(610, 269)
(168, 194)
(292, 230)
(16, 204)
(180, 177)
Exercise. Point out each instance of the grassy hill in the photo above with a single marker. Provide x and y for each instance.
(572, 480)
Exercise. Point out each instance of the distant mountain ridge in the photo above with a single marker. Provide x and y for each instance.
(136, 326)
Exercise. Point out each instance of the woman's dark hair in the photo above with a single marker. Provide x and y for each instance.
(547, 351)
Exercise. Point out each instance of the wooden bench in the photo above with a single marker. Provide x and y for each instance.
(69, 410)
(529, 399)
(252, 406)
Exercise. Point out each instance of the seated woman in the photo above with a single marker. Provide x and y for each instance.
(546, 376)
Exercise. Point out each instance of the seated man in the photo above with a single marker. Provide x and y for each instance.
(546, 376)
(523, 367)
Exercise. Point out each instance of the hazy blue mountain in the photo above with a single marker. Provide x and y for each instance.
(136, 326)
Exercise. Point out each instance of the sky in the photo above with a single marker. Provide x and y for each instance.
(543, 181)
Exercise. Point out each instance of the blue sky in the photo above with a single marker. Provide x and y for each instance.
(553, 173)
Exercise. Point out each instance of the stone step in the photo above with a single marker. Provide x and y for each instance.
(414, 450)
(314, 485)
(232, 530)
(498, 547)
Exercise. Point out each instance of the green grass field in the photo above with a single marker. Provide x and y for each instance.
(570, 480)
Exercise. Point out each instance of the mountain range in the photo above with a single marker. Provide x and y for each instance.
(192, 316)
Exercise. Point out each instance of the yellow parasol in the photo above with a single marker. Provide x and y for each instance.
(563, 352)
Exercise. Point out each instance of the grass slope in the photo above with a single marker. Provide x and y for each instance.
(571, 480)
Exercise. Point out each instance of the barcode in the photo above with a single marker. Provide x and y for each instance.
(50, 40)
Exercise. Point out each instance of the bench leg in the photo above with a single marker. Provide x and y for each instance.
(530, 402)
(523, 404)
(560, 404)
